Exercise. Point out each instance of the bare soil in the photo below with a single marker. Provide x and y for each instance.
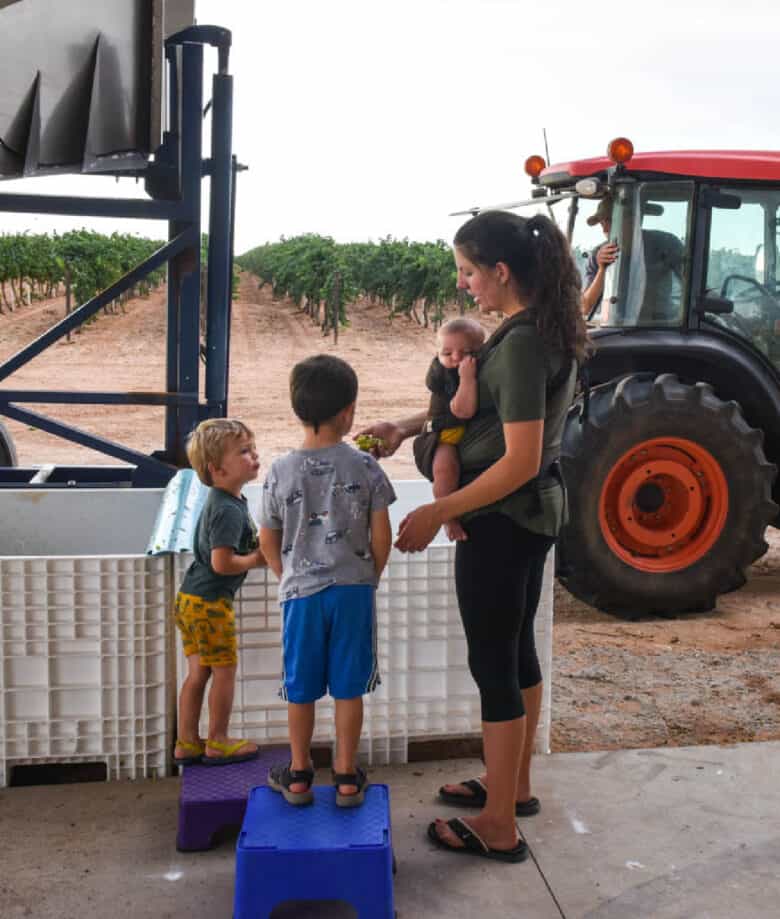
(701, 678)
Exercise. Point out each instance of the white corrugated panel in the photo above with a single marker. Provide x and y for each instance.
(426, 689)
(86, 663)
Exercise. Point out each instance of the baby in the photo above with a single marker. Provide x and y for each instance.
(452, 380)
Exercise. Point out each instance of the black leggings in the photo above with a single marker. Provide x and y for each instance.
(498, 577)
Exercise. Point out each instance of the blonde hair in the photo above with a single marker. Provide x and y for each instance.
(462, 326)
(207, 443)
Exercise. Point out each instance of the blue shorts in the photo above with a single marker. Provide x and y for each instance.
(329, 643)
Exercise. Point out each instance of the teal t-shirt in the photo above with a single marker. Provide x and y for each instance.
(512, 385)
(224, 522)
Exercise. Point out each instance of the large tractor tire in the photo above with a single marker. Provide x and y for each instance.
(7, 451)
(669, 497)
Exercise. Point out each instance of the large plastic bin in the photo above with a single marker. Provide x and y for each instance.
(87, 670)
(90, 664)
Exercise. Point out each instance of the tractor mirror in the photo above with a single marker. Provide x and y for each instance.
(711, 197)
(719, 306)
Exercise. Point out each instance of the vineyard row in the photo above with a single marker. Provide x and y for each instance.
(39, 266)
(323, 277)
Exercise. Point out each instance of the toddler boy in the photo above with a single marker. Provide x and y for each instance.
(222, 453)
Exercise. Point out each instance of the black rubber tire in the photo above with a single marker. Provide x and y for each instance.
(7, 451)
(621, 414)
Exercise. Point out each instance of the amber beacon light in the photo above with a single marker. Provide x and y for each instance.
(534, 166)
(620, 150)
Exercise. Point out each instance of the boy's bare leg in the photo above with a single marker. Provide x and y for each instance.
(446, 475)
(191, 702)
(349, 724)
(300, 721)
(223, 685)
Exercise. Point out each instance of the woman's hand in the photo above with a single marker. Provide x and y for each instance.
(418, 528)
(390, 434)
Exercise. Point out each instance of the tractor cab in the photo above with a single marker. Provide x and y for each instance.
(697, 234)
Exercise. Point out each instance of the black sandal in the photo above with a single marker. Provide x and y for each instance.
(478, 797)
(281, 777)
(474, 844)
(357, 778)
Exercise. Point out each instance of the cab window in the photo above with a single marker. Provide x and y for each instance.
(742, 267)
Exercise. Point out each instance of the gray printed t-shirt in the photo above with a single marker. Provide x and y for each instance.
(322, 501)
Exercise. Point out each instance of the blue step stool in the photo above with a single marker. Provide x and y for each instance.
(316, 852)
(214, 797)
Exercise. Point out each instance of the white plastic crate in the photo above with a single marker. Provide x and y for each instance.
(426, 689)
(86, 666)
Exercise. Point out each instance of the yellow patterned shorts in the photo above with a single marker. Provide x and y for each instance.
(451, 435)
(208, 629)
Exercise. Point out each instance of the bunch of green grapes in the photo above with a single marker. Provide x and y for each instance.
(368, 442)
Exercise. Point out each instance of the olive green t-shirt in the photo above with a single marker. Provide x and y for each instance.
(512, 385)
(224, 523)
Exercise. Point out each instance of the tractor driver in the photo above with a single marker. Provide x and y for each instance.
(600, 258)
(662, 260)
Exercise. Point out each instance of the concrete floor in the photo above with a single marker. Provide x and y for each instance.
(643, 834)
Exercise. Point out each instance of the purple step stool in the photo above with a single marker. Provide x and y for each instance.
(318, 852)
(213, 797)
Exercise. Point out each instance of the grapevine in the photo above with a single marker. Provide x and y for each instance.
(38, 266)
(321, 276)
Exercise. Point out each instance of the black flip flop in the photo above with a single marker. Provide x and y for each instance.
(478, 798)
(473, 844)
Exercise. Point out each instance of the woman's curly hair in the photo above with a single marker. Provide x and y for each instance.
(542, 266)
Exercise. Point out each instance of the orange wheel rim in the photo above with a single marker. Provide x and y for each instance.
(664, 504)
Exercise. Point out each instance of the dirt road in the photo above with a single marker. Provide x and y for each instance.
(706, 678)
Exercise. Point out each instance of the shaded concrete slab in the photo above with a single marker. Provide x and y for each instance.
(689, 832)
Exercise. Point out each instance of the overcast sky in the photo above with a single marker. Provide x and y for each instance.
(362, 119)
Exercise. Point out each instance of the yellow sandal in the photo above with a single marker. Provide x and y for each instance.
(195, 753)
(229, 753)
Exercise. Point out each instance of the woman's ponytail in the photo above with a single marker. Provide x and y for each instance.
(557, 289)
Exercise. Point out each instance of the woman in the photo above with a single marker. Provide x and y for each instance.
(510, 503)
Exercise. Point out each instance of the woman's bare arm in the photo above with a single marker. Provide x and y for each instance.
(394, 433)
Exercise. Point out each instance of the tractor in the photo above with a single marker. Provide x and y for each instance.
(669, 453)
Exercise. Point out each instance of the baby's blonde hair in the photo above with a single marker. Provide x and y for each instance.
(462, 325)
(207, 443)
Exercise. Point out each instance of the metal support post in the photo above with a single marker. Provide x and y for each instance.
(220, 250)
(184, 270)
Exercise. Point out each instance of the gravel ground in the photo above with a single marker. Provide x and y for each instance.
(702, 678)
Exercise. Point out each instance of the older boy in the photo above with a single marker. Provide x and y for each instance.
(325, 530)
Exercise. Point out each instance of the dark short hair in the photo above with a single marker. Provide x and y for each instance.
(321, 387)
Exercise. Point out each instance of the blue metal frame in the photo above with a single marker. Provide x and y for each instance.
(173, 179)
